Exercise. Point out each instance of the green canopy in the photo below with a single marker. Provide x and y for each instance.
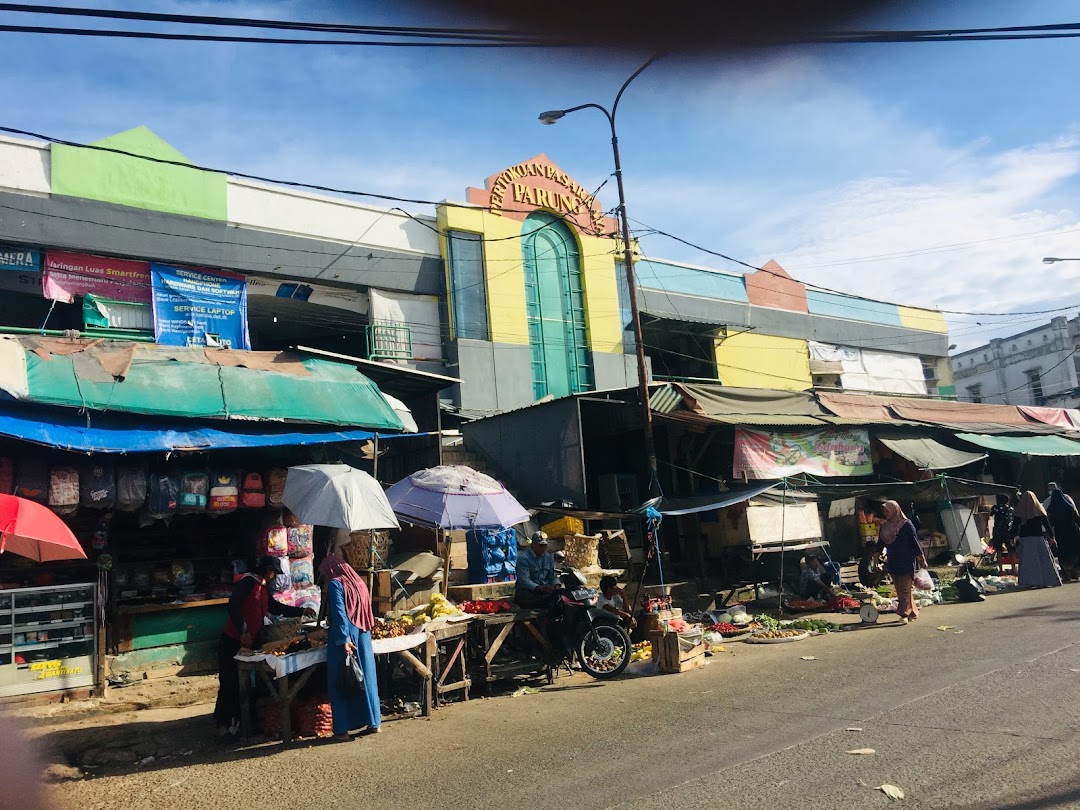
(1024, 445)
(927, 454)
(183, 383)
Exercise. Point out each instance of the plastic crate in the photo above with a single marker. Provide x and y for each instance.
(564, 526)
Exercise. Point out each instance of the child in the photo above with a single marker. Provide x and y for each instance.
(613, 600)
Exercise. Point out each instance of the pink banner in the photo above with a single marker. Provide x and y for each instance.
(826, 452)
(70, 274)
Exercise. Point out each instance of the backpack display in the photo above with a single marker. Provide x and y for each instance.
(275, 485)
(7, 476)
(32, 479)
(194, 491)
(301, 542)
(162, 495)
(64, 490)
(97, 484)
(303, 572)
(253, 491)
(274, 542)
(130, 487)
(224, 492)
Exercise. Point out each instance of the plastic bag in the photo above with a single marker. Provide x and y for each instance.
(351, 678)
(923, 581)
(303, 572)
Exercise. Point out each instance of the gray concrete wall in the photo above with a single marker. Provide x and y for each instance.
(88, 226)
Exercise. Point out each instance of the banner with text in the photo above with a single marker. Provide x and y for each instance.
(825, 452)
(70, 274)
(20, 259)
(199, 307)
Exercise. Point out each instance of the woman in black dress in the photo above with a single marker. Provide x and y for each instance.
(1036, 562)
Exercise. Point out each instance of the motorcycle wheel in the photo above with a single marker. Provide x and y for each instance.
(604, 651)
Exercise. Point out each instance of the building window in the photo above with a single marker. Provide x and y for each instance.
(1035, 387)
(468, 287)
(1046, 338)
(986, 357)
(975, 392)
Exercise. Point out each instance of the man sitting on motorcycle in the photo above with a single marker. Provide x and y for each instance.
(613, 600)
(535, 574)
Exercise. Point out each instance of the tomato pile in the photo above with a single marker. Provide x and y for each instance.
(486, 606)
(725, 627)
(843, 603)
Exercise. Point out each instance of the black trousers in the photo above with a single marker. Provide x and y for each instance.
(227, 709)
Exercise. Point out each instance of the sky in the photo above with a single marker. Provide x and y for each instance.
(931, 174)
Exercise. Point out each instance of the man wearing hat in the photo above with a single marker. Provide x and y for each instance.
(535, 574)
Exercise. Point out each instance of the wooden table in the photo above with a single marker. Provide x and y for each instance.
(443, 665)
(490, 633)
(299, 667)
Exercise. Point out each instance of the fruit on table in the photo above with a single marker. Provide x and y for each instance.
(641, 651)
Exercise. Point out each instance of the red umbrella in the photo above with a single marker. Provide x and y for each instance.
(32, 530)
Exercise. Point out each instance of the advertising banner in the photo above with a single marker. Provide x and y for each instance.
(194, 307)
(70, 274)
(825, 452)
(20, 259)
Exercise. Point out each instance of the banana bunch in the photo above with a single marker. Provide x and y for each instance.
(641, 651)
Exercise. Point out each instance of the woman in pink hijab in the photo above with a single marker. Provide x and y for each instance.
(903, 557)
(349, 610)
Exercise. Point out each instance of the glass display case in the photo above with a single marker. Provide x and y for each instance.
(47, 639)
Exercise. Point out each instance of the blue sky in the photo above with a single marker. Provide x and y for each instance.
(933, 174)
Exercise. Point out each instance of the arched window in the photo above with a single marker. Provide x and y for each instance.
(555, 305)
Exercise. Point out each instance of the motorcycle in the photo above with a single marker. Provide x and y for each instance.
(578, 628)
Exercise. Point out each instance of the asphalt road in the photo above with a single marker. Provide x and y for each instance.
(986, 717)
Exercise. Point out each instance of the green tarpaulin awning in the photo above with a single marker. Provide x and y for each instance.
(927, 454)
(1024, 445)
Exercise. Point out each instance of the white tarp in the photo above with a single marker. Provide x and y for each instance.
(790, 523)
(420, 313)
(13, 378)
(351, 300)
(863, 370)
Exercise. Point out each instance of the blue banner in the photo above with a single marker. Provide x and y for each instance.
(199, 307)
(20, 259)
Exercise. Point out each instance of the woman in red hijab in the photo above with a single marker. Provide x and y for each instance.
(903, 556)
(349, 610)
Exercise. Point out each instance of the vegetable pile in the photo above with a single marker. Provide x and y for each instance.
(774, 634)
(389, 628)
(805, 604)
(815, 626)
(766, 621)
(438, 607)
(843, 603)
(486, 606)
(641, 651)
(726, 628)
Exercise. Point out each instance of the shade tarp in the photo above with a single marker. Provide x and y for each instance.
(708, 503)
(858, 406)
(183, 383)
(1024, 445)
(1059, 417)
(109, 434)
(933, 490)
(930, 455)
(717, 400)
(938, 411)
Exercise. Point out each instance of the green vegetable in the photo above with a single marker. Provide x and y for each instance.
(766, 621)
(815, 625)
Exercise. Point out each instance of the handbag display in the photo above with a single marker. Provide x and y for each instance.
(351, 678)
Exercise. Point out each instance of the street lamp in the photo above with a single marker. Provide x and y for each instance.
(1055, 260)
(552, 116)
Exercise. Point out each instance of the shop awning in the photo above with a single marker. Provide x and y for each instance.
(192, 383)
(927, 454)
(109, 434)
(1024, 445)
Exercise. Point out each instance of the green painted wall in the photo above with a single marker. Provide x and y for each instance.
(108, 177)
(177, 626)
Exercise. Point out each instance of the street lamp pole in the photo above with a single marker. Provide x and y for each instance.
(1055, 260)
(550, 117)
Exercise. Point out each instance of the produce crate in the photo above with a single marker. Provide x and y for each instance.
(564, 526)
(615, 551)
(670, 656)
(359, 555)
(582, 550)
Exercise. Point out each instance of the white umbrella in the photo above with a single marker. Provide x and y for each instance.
(337, 495)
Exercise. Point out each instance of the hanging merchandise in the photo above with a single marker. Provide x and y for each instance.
(303, 572)
(162, 495)
(64, 490)
(275, 486)
(32, 479)
(194, 491)
(97, 484)
(7, 476)
(182, 573)
(491, 554)
(253, 491)
(130, 487)
(224, 492)
(308, 598)
(274, 542)
(99, 541)
(301, 543)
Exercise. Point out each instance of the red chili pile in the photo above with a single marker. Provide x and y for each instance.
(724, 627)
(843, 603)
(486, 606)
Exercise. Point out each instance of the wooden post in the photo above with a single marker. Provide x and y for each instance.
(446, 559)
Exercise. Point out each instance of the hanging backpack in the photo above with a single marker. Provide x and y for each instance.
(224, 492)
(253, 492)
(275, 486)
(32, 479)
(162, 495)
(130, 487)
(64, 490)
(97, 484)
(7, 476)
(194, 491)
